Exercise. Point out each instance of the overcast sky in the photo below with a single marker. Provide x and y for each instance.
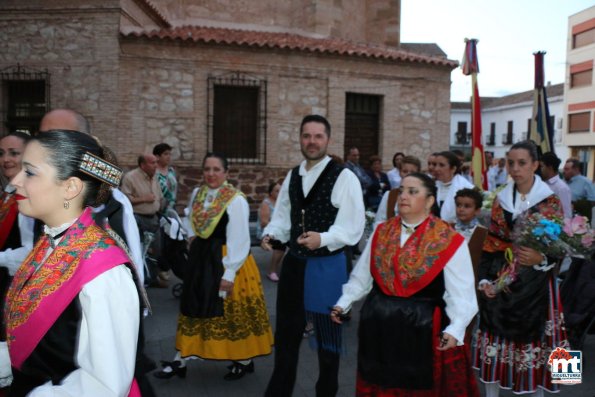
(509, 32)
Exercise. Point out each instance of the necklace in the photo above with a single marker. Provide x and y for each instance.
(409, 229)
(523, 197)
(210, 197)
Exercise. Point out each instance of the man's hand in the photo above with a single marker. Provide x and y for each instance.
(149, 198)
(310, 240)
(265, 243)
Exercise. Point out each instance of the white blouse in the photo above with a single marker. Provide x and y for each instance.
(108, 334)
(382, 207)
(459, 281)
(237, 232)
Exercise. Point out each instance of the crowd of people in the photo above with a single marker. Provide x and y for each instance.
(76, 230)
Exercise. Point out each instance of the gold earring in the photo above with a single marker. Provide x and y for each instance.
(66, 205)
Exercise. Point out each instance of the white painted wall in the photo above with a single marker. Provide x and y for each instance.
(518, 113)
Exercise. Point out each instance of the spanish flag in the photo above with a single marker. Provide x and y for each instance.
(478, 162)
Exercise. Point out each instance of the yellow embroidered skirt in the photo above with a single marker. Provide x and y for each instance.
(243, 332)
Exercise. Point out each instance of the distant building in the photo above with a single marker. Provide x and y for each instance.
(505, 121)
(580, 89)
(225, 76)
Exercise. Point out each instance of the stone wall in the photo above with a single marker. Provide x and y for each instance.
(164, 98)
(138, 92)
(79, 47)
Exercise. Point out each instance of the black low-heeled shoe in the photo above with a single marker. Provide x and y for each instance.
(238, 370)
(176, 369)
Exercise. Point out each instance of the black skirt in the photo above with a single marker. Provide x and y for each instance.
(518, 314)
(395, 340)
(202, 276)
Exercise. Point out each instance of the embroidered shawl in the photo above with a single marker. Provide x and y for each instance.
(41, 291)
(403, 271)
(203, 220)
(500, 229)
(8, 214)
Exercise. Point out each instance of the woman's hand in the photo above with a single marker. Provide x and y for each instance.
(488, 290)
(528, 256)
(226, 286)
(446, 342)
(335, 314)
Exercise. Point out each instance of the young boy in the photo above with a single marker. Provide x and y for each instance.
(468, 206)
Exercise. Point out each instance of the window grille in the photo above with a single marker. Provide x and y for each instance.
(237, 117)
(25, 98)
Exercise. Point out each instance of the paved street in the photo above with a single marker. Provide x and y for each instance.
(205, 378)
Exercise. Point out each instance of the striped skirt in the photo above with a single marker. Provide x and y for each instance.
(522, 367)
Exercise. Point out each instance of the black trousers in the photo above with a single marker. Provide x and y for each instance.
(291, 321)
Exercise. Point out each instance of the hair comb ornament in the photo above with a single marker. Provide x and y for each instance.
(101, 169)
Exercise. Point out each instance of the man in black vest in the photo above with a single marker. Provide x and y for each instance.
(319, 211)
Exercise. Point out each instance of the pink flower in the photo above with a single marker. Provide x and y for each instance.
(576, 225)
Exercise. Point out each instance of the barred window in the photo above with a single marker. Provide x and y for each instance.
(25, 98)
(237, 117)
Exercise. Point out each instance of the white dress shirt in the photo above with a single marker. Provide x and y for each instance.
(561, 189)
(108, 333)
(346, 196)
(237, 232)
(446, 196)
(394, 178)
(459, 281)
(132, 234)
(382, 207)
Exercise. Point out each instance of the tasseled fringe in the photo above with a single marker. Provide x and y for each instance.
(327, 334)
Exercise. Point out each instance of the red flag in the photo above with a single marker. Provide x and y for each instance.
(478, 164)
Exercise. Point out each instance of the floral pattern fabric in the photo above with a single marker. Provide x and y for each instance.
(204, 220)
(403, 271)
(43, 288)
(499, 232)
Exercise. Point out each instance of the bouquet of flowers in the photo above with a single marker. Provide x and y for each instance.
(551, 236)
(489, 197)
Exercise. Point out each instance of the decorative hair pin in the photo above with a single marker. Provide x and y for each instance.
(101, 169)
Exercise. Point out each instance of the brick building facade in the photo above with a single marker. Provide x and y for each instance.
(235, 76)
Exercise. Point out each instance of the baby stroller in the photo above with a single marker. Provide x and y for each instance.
(174, 248)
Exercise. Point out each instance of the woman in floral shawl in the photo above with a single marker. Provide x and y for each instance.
(521, 324)
(223, 314)
(416, 273)
(72, 310)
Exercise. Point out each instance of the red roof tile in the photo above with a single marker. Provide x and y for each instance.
(289, 41)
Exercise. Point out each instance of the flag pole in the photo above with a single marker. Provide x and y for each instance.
(470, 66)
(542, 130)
